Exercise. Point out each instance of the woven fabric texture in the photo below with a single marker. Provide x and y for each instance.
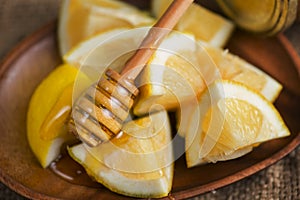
(20, 18)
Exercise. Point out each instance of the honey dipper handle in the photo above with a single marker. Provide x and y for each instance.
(154, 37)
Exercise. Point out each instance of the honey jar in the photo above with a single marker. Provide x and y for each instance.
(266, 17)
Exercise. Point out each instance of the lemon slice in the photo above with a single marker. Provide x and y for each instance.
(124, 166)
(81, 19)
(232, 67)
(174, 74)
(204, 24)
(44, 99)
(233, 120)
(90, 51)
(108, 49)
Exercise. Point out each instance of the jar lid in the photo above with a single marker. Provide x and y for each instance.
(261, 16)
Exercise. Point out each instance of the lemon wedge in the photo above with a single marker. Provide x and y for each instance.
(92, 50)
(174, 74)
(232, 120)
(49, 110)
(41, 103)
(81, 19)
(204, 24)
(137, 163)
(232, 67)
(107, 49)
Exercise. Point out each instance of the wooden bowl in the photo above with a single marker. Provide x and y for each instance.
(34, 58)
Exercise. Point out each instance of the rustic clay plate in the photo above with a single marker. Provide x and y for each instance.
(34, 58)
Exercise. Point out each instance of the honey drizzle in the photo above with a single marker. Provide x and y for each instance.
(71, 171)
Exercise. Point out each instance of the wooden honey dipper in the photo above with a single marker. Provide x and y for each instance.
(113, 96)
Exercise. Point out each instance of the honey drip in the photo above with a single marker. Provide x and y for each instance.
(68, 169)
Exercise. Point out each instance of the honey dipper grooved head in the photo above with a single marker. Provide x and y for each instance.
(99, 113)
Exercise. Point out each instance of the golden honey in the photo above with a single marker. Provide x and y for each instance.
(266, 17)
